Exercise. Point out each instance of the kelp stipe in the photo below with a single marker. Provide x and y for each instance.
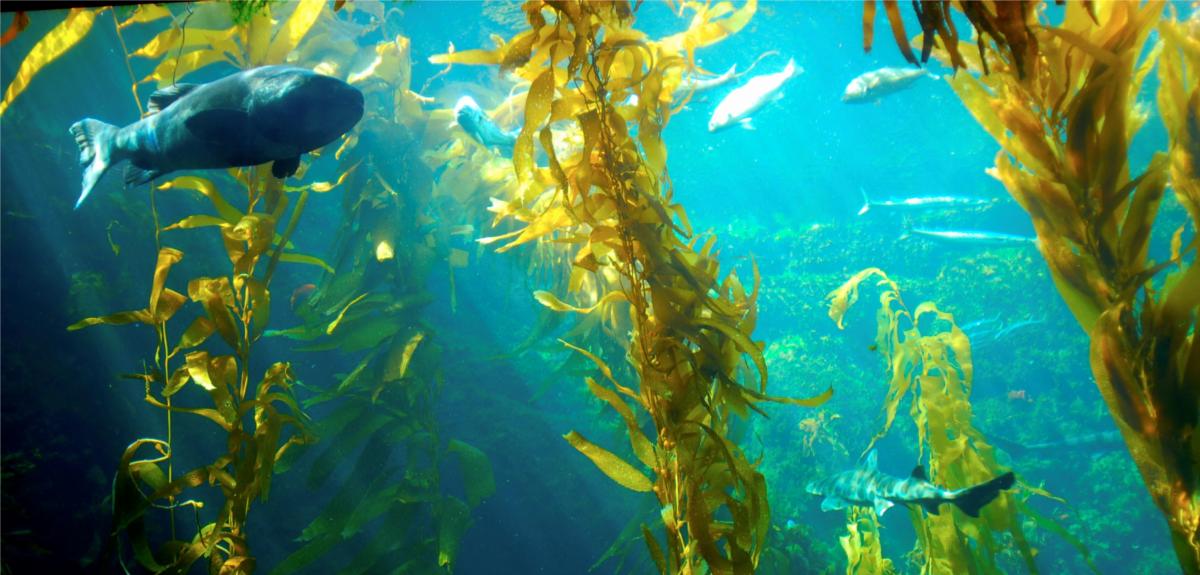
(1061, 100)
(262, 421)
(634, 259)
(928, 358)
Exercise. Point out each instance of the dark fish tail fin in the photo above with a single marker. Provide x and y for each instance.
(96, 142)
(972, 499)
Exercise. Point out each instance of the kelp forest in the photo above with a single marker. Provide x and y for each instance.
(427, 350)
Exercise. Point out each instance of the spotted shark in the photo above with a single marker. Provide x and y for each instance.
(866, 486)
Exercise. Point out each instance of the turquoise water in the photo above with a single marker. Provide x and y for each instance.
(787, 193)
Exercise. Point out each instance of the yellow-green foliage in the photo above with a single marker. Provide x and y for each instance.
(262, 421)
(1061, 100)
(929, 359)
(605, 201)
(371, 309)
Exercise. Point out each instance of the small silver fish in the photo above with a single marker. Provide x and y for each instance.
(923, 202)
(697, 84)
(972, 237)
(876, 84)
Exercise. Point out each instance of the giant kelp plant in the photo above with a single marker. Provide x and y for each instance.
(371, 309)
(929, 358)
(685, 329)
(261, 421)
(1062, 102)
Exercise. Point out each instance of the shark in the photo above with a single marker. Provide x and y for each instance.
(866, 486)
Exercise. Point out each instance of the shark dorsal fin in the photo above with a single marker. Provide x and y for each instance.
(871, 461)
(165, 96)
(918, 472)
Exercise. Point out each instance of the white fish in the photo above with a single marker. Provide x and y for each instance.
(876, 84)
(923, 202)
(748, 98)
(972, 237)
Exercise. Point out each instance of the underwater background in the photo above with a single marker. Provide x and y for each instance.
(492, 391)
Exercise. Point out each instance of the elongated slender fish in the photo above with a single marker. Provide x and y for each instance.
(745, 100)
(866, 486)
(476, 123)
(876, 84)
(972, 237)
(1085, 442)
(697, 84)
(267, 114)
(920, 202)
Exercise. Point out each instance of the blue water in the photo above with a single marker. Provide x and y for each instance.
(786, 193)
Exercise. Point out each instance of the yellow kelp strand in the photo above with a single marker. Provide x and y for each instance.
(54, 44)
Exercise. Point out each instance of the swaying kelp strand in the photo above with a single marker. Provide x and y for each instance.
(684, 329)
(1061, 100)
(929, 359)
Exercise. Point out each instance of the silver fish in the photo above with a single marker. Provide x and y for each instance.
(876, 84)
(748, 98)
(923, 202)
(866, 486)
(971, 237)
(696, 84)
(267, 114)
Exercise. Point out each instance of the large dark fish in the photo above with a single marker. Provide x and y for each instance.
(267, 114)
(866, 486)
(476, 123)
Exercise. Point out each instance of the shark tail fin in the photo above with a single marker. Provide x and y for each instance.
(96, 142)
(907, 233)
(866, 207)
(972, 499)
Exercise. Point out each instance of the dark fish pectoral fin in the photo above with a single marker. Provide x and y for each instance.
(285, 167)
(135, 176)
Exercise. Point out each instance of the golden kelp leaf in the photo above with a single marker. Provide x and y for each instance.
(612, 466)
(195, 334)
(453, 517)
(642, 447)
(549, 221)
(707, 29)
(397, 365)
(259, 300)
(172, 40)
(551, 301)
(167, 257)
(173, 69)
(537, 109)
(216, 295)
(54, 44)
(227, 212)
(295, 258)
(168, 303)
(843, 297)
(176, 382)
(119, 318)
(458, 258)
(333, 325)
(604, 369)
(196, 221)
(297, 26)
(145, 13)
